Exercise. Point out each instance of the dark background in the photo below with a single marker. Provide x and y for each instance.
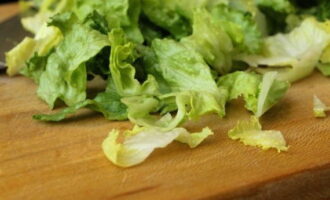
(6, 1)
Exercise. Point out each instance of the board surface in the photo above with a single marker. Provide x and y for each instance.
(65, 161)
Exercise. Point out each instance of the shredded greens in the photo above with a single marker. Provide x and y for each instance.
(166, 62)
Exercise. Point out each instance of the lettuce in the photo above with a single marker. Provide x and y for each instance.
(17, 57)
(211, 41)
(181, 67)
(189, 105)
(123, 54)
(108, 103)
(260, 93)
(240, 26)
(319, 108)
(251, 134)
(168, 62)
(164, 14)
(293, 55)
(278, 5)
(65, 74)
(137, 144)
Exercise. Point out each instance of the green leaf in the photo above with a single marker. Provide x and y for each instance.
(271, 91)
(123, 55)
(48, 8)
(181, 67)
(59, 116)
(242, 84)
(65, 76)
(210, 40)
(164, 14)
(260, 93)
(139, 143)
(251, 134)
(43, 42)
(123, 14)
(277, 13)
(35, 66)
(150, 31)
(190, 105)
(240, 26)
(293, 55)
(278, 5)
(108, 103)
(16, 58)
(319, 108)
(324, 68)
(97, 22)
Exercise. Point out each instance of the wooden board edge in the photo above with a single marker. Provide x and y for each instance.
(312, 184)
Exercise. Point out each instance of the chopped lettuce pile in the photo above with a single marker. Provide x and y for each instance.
(167, 62)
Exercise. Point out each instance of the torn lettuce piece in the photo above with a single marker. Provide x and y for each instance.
(164, 14)
(133, 147)
(119, 14)
(271, 91)
(211, 41)
(180, 67)
(250, 7)
(243, 84)
(276, 13)
(34, 67)
(293, 55)
(108, 103)
(251, 134)
(59, 116)
(240, 26)
(259, 92)
(189, 105)
(16, 58)
(43, 42)
(324, 68)
(48, 8)
(65, 75)
(278, 5)
(123, 55)
(319, 108)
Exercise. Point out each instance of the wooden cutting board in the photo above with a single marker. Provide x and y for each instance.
(65, 160)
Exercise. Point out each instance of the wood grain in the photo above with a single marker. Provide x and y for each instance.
(65, 161)
(8, 10)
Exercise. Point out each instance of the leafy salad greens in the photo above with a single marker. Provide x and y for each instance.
(166, 62)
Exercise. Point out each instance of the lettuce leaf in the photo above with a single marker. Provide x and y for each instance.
(136, 145)
(123, 55)
(324, 68)
(319, 108)
(211, 41)
(164, 14)
(293, 55)
(181, 67)
(16, 58)
(278, 5)
(251, 134)
(277, 12)
(43, 42)
(65, 75)
(121, 14)
(240, 26)
(189, 105)
(259, 92)
(34, 67)
(108, 103)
